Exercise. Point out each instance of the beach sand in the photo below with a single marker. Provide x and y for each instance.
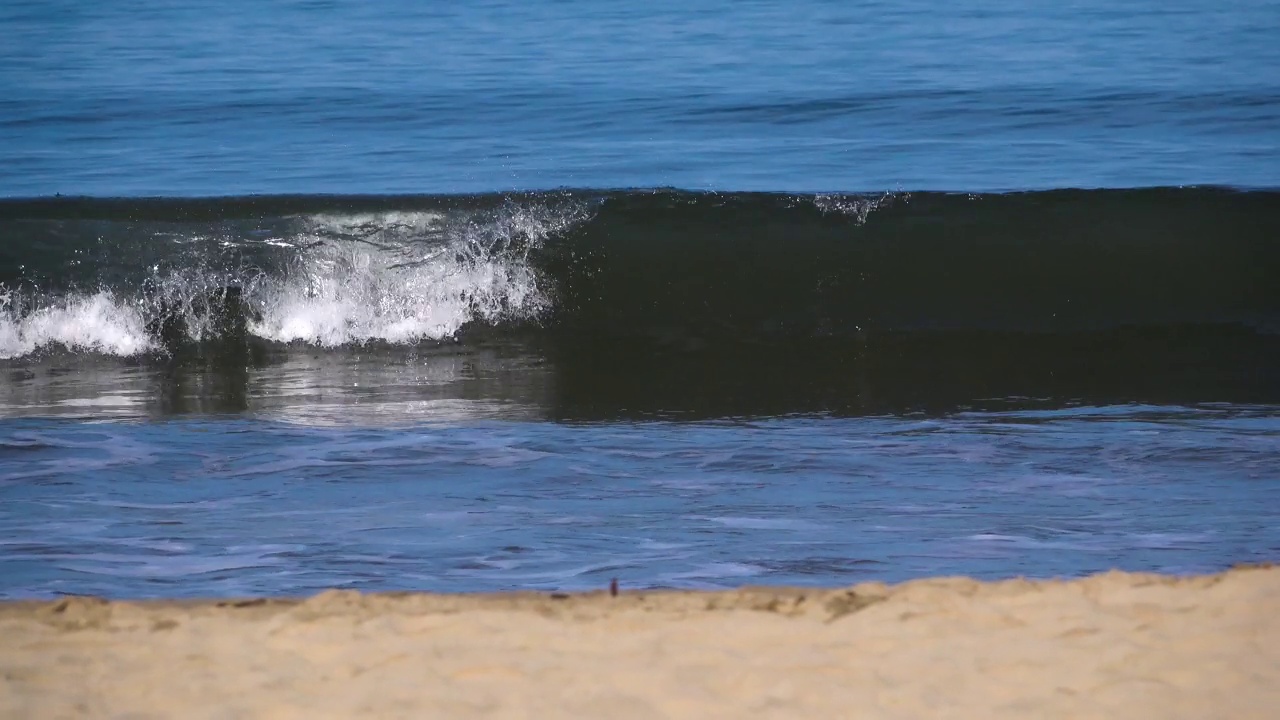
(1115, 645)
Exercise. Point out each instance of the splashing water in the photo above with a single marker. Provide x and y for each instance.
(856, 206)
(396, 277)
(390, 277)
(99, 323)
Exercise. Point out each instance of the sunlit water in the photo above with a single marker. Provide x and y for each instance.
(715, 449)
(165, 98)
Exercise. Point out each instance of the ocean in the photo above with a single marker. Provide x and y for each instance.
(496, 295)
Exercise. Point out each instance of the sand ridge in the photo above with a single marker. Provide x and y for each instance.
(1111, 645)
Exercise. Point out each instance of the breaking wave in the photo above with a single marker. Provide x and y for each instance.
(329, 279)
(127, 277)
(382, 282)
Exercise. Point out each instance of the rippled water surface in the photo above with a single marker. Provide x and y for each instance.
(982, 288)
(164, 98)
(218, 507)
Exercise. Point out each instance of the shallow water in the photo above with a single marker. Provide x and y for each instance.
(216, 506)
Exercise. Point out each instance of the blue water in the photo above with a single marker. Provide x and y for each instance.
(493, 468)
(231, 507)
(165, 98)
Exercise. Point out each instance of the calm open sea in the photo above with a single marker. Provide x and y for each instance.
(495, 295)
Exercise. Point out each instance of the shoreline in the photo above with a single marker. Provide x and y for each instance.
(1116, 644)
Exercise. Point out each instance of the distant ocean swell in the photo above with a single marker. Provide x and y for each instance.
(667, 269)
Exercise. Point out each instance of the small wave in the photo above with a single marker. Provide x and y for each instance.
(679, 270)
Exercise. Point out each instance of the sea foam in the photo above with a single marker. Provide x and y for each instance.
(405, 277)
(97, 322)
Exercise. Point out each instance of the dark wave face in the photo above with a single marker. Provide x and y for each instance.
(604, 304)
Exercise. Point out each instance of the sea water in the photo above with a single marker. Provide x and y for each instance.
(536, 295)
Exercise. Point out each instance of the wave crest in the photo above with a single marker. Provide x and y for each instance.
(397, 277)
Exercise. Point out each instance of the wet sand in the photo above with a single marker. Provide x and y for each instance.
(1116, 645)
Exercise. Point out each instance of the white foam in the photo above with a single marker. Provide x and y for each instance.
(372, 277)
(88, 323)
(346, 295)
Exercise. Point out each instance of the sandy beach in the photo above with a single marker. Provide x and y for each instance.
(1116, 645)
